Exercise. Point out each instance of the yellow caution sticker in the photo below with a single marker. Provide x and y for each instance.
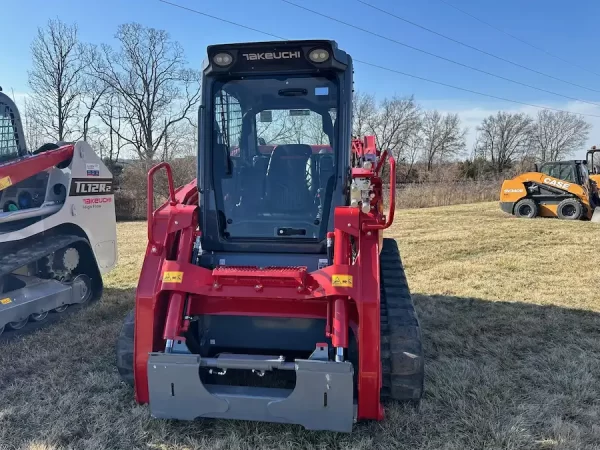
(5, 301)
(341, 280)
(173, 277)
(5, 182)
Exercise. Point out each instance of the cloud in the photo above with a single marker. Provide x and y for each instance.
(471, 116)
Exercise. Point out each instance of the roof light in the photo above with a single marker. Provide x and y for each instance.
(222, 59)
(318, 55)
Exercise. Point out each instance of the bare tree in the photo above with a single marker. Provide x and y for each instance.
(34, 134)
(93, 89)
(180, 141)
(313, 130)
(503, 138)
(56, 79)
(364, 109)
(394, 124)
(411, 154)
(442, 136)
(557, 134)
(276, 129)
(156, 89)
(111, 143)
(284, 128)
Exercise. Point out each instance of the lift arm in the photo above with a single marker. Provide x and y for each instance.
(16, 170)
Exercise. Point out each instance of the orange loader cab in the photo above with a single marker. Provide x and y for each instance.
(593, 164)
(562, 189)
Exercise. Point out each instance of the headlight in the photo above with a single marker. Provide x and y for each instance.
(318, 55)
(222, 59)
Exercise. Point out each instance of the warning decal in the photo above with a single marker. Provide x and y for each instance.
(173, 277)
(341, 280)
(5, 182)
(5, 301)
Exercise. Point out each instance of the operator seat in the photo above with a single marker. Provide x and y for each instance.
(289, 178)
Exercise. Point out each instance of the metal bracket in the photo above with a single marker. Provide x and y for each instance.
(321, 353)
(321, 400)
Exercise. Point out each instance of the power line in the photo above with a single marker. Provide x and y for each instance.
(500, 58)
(222, 20)
(523, 41)
(382, 67)
(469, 90)
(364, 30)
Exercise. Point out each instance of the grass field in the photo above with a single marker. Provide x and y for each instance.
(511, 321)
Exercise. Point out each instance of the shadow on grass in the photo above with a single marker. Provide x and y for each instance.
(498, 375)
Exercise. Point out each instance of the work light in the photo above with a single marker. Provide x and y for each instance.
(222, 59)
(318, 55)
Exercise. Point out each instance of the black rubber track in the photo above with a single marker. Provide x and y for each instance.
(124, 349)
(401, 347)
(14, 255)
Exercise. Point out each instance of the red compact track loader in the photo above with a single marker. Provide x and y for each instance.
(57, 225)
(268, 291)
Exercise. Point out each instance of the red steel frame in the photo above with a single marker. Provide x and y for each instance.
(163, 305)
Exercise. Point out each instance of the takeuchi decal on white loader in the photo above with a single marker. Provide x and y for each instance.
(96, 202)
(557, 183)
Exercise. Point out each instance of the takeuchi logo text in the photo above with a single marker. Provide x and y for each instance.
(270, 55)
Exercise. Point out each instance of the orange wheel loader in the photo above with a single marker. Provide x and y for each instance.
(562, 189)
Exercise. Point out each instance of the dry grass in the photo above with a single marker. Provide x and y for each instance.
(427, 195)
(512, 338)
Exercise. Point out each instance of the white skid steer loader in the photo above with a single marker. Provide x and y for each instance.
(57, 224)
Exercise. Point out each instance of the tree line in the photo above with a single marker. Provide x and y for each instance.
(502, 140)
(141, 96)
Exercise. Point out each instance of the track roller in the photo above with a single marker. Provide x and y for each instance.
(38, 317)
(18, 325)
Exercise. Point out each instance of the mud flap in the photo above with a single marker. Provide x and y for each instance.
(321, 400)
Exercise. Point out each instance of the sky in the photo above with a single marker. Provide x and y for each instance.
(564, 29)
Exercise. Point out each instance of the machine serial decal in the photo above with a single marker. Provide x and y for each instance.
(84, 186)
(341, 280)
(5, 301)
(173, 277)
(92, 170)
(5, 182)
(271, 55)
(557, 183)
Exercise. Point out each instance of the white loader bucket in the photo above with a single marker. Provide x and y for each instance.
(596, 215)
